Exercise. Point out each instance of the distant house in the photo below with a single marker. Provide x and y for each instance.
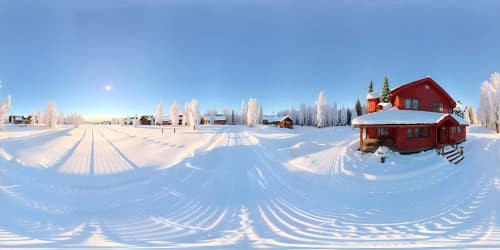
(146, 120)
(417, 117)
(286, 122)
(19, 119)
(270, 120)
(130, 120)
(218, 119)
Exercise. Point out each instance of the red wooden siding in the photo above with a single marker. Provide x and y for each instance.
(426, 97)
(403, 143)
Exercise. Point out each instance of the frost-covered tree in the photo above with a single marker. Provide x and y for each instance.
(384, 97)
(60, 120)
(321, 106)
(490, 102)
(75, 119)
(243, 112)
(50, 115)
(467, 115)
(459, 110)
(194, 113)
(39, 117)
(261, 114)
(302, 114)
(335, 114)
(173, 113)
(185, 115)
(343, 116)
(159, 114)
(252, 112)
(472, 114)
(4, 109)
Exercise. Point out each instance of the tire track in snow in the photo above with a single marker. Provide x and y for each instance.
(107, 158)
(80, 159)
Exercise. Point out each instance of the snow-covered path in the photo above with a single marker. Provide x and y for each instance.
(235, 187)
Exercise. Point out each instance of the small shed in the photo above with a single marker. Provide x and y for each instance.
(286, 122)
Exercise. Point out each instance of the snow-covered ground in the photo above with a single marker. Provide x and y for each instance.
(237, 187)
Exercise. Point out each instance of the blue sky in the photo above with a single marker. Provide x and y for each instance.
(219, 52)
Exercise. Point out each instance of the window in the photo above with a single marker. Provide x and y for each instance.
(415, 104)
(409, 133)
(434, 106)
(459, 129)
(412, 103)
(453, 130)
(425, 132)
(382, 131)
(407, 103)
(437, 107)
(416, 132)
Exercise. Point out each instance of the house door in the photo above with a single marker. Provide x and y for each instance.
(442, 135)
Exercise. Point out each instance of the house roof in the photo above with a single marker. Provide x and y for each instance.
(271, 118)
(427, 80)
(459, 119)
(372, 95)
(285, 117)
(215, 117)
(396, 116)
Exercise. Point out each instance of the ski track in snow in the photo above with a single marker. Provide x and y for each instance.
(236, 187)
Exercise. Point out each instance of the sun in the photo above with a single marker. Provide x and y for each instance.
(108, 88)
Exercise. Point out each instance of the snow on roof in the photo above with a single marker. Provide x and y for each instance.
(284, 117)
(459, 119)
(385, 105)
(372, 95)
(396, 116)
(215, 117)
(272, 118)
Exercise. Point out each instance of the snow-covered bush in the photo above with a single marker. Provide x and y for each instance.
(382, 152)
(4, 109)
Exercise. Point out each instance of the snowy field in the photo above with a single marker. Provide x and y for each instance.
(236, 187)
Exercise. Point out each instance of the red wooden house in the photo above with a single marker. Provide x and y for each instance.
(417, 118)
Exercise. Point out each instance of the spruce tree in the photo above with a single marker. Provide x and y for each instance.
(384, 97)
(359, 109)
(370, 87)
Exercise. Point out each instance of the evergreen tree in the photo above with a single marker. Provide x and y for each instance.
(384, 97)
(359, 109)
(348, 117)
(232, 117)
(370, 87)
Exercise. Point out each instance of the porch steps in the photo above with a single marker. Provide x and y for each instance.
(454, 155)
